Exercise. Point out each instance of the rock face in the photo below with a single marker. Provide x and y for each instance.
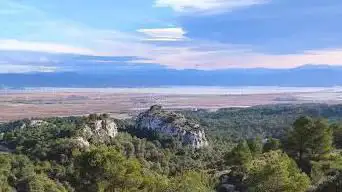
(100, 131)
(173, 124)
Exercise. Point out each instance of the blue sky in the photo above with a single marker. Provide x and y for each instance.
(40, 35)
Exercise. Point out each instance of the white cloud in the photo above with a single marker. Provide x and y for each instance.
(206, 5)
(164, 34)
(194, 55)
(190, 55)
(15, 45)
(13, 68)
(230, 57)
(79, 39)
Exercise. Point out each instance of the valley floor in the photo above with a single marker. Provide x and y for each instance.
(122, 103)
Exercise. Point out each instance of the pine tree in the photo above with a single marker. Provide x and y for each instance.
(309, 140)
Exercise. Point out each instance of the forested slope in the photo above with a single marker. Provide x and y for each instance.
(98, 153)
(272, 120)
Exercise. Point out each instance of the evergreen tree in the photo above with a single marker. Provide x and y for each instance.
(271, 145)
(309, 139)
(255, 146)
(274, 172)
(240, 155)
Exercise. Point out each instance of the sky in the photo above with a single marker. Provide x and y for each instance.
(69, 35)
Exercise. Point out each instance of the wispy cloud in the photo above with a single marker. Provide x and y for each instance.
(14, 68)
(164, 34)
(192, 55)
(15, 45)
(145, 43)
(212, 6)
(230, 57)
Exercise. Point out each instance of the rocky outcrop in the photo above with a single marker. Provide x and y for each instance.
(80, 142)
(30, 123)
(82, 132)
(100, 131)
(173, 124)
(37, 123)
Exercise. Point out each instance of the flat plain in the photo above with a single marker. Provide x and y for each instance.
(122, 103)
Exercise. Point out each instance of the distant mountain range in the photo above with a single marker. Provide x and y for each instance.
(104, 71)
(149, 76)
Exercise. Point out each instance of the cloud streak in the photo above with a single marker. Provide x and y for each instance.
(164, 34)
(15, 45)
(211, 6)
(171, 47)
(230, 57)
(194, 55)
(14, 68)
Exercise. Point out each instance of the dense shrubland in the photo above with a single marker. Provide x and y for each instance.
(272, 120)
(266, 148)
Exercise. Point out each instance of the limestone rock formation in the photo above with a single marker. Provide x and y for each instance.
(29, 123)
(100, 131)
(37, 123)
(173, 124)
